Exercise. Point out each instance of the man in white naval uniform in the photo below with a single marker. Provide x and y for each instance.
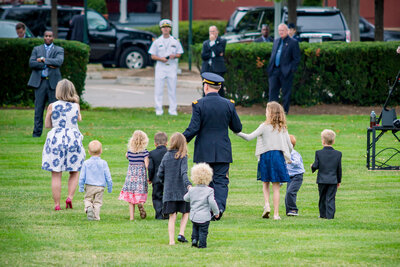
(165, 50)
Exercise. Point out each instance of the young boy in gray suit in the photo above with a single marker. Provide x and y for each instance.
(202, 201)
(328, 162)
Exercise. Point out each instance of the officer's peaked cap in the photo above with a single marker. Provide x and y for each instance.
(165, 23)
(212, 78)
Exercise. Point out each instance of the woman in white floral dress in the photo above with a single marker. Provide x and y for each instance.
(63, 150)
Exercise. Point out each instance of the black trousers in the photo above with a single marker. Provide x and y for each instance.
(276, 82)
(220, 183)
(42, 94)
(291, 192)
(327, 194)
(200, 233)
(157, 196)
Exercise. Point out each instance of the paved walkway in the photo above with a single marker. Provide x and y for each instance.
(135, 88)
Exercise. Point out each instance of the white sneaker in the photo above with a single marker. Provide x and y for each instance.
(90, 213)
(277, 217)
(267, 211)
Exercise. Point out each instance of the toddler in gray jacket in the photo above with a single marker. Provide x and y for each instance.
(202, 201)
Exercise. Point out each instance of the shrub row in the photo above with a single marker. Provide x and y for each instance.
(199, 32)
(332, 72)
(15, 70)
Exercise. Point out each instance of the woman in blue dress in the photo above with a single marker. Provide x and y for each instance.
(63, 150)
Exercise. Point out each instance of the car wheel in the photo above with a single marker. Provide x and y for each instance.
(133, 58)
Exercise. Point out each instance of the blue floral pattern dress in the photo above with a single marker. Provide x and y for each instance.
(63, 150)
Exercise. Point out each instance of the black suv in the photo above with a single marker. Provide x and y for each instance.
(313, 24)
(110, 44)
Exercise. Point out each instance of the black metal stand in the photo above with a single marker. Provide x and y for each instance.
(372, 162)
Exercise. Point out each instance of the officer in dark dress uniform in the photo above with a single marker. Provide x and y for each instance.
(212, 115)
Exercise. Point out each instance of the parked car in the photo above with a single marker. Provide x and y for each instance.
(367, 32)
(7, 29)
(245, 23)
(313, 24)
(110, 44)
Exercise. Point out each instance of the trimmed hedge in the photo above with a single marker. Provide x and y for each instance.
(354, 73)
(15, 71)
(199, 32)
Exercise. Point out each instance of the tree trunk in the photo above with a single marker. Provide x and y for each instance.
(292, 14)
(54, 19)
(351, 12)
(378, 20)
(165, 9)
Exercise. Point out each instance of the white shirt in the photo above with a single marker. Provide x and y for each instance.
(163, 47)
(269, 139)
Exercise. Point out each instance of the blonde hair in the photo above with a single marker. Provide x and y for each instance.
(178, 142)
(65, 90)
(328, 136)
(160, 138)
(275, 116)
(95, 148)
(138, 142)
(292, 139)
(201, 174)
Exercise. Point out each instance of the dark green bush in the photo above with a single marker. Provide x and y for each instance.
(332, 72)
(199, 32)
(98, 5)
(15, 71)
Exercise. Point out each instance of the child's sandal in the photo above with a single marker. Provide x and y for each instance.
(142, 211)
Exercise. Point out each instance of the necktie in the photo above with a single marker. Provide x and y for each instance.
(278, 54)
(45, 71)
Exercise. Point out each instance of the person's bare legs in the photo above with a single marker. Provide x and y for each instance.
(72, 183)
(184, 221)
(266, 194)
(131, 211)
(56, 187)
(275, 189)
(171, 228)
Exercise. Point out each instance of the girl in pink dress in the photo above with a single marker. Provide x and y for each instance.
(134, 190)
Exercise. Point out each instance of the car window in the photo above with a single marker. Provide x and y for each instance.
(234, 20)
(65, 16)
(7, 30)
(96, 21)
(250, 21)
(35, 19)
(319, 22)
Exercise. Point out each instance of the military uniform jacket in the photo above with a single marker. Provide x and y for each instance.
(211, 117)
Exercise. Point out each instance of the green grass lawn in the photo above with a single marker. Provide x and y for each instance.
(365, 230)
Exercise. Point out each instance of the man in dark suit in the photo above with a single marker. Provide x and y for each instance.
(45, 62)
(212, 115)
(155, 157)
(328, 162)
(264, 35)
(212, 55)
(76, 28)
(285, 58)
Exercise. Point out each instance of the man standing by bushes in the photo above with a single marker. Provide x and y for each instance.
(45, 62)
(212, 55)
(285, 58)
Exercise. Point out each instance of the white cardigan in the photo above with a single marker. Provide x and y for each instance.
(269, 139)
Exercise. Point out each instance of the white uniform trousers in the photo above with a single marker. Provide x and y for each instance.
(162, 74)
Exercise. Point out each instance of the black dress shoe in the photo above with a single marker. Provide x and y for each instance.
(194, 243)
(182, 239)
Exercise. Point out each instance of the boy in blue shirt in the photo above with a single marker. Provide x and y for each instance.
(94, 176)
(296, 171)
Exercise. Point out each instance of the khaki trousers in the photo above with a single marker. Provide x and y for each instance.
(94, 198)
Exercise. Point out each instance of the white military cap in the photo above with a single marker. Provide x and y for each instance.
(165, 23)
